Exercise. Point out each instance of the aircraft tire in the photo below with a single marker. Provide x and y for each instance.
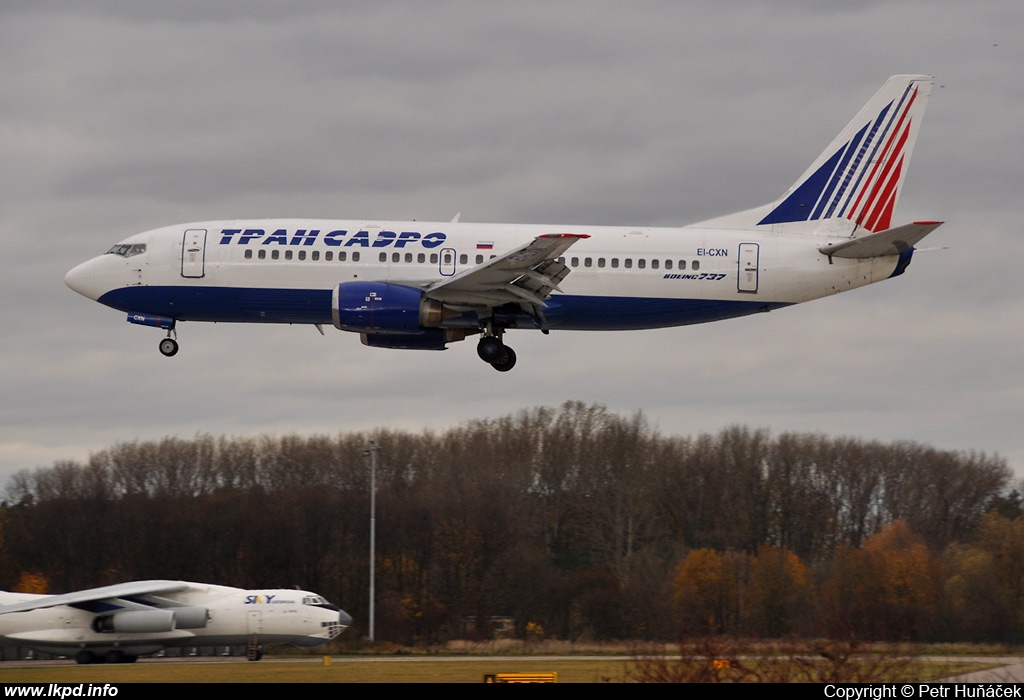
(506, 363)
(490, 349)
(85, 657)
(114, 656)
(169, 347)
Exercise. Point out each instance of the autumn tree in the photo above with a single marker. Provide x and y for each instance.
(778, 591)
(706, 586)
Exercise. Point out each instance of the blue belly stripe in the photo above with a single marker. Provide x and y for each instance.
(567, 312)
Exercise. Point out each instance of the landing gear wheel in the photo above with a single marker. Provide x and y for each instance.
(507, 363)
(115, 656)
(85, 657)
(490, 349)
(169, 347)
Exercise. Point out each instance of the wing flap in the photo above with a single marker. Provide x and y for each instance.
(528, 273)
(893, 241)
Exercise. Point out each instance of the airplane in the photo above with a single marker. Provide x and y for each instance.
(119, 623)
(417, 285)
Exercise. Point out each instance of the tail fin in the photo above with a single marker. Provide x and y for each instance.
(859, 176)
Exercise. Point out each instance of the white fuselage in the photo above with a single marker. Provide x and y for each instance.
(228, 616)
(283, 271)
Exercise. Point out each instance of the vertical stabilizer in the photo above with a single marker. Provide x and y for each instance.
(859, 176)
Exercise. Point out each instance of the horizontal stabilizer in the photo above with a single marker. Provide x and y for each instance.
(893, 241)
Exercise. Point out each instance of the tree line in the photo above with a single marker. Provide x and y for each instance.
(574, 521)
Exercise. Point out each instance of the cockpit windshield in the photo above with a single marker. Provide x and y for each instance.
(127, 250)
(319, 602)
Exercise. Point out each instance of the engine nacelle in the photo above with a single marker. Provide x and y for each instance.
(429, 339)
(190, 618)
(135, 621)
(379, 307)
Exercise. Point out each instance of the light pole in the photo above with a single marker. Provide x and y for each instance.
(372, 450)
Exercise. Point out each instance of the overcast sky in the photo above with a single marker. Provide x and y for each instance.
(118, 117)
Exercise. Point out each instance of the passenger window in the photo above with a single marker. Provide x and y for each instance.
(641, 264)
(575, 262)
(668, 264)
(383, 257)
(588, 262)
(682, 264)
(600, 262)
(315, 255)
(355, 256)
(396, 257)
(696, 264)
(433, 258)
(422, 257)
(287, 255)
(627, 263)
(275, 254)
(302, 255)
(248, 253)
(655, 264)
(479, 259)
(408, 257)
(463, 259)
(615, 262)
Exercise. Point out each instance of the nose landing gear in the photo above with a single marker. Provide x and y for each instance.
(169, 345)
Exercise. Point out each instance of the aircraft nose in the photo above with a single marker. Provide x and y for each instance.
(344, 619)
(82, 279)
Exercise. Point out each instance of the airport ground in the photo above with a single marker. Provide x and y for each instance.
(431, 669)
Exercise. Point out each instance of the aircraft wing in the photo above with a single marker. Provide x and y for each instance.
(893, 241)
(527, 274)
(103, 594)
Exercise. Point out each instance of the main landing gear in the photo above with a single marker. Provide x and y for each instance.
(494, 352)
(113, 656)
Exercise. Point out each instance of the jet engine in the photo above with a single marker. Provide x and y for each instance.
(383, 308)
(162, 620)
(190, 618)
(135, 621)
(429, 339)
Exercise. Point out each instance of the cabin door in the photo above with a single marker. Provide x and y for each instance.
(193, 253)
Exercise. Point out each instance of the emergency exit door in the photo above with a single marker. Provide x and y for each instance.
(748, 265)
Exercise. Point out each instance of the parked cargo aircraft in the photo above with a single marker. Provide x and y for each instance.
(117, 624)
(422, 285)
